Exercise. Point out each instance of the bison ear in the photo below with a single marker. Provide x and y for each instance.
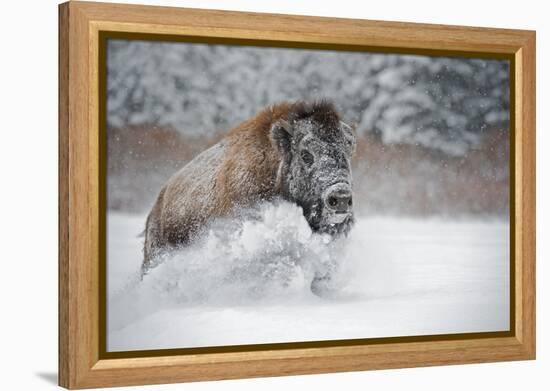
(349, 134)
(281, 135)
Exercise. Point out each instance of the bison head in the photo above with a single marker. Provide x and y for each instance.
(315, 171)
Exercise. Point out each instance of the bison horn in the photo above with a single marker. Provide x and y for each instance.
(346, 126)
(286, 126)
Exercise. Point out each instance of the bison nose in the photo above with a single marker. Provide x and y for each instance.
(339, 200)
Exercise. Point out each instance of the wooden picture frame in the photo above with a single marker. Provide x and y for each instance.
(82, 360)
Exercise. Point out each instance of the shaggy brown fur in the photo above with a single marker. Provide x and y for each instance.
(241, 169)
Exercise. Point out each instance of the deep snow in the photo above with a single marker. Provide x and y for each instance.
(248, 283)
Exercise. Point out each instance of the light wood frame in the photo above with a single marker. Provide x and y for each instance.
(80, 164)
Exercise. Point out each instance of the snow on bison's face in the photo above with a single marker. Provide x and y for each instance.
(316, 170)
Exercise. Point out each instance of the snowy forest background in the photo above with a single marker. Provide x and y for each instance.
(433, 132)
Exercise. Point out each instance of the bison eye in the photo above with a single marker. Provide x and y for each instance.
(306, 157)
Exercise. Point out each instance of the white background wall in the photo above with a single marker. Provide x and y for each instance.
(28, 153)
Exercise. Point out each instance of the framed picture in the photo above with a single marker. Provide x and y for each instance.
(247, 195)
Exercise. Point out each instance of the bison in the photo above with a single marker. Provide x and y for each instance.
(300, 152)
